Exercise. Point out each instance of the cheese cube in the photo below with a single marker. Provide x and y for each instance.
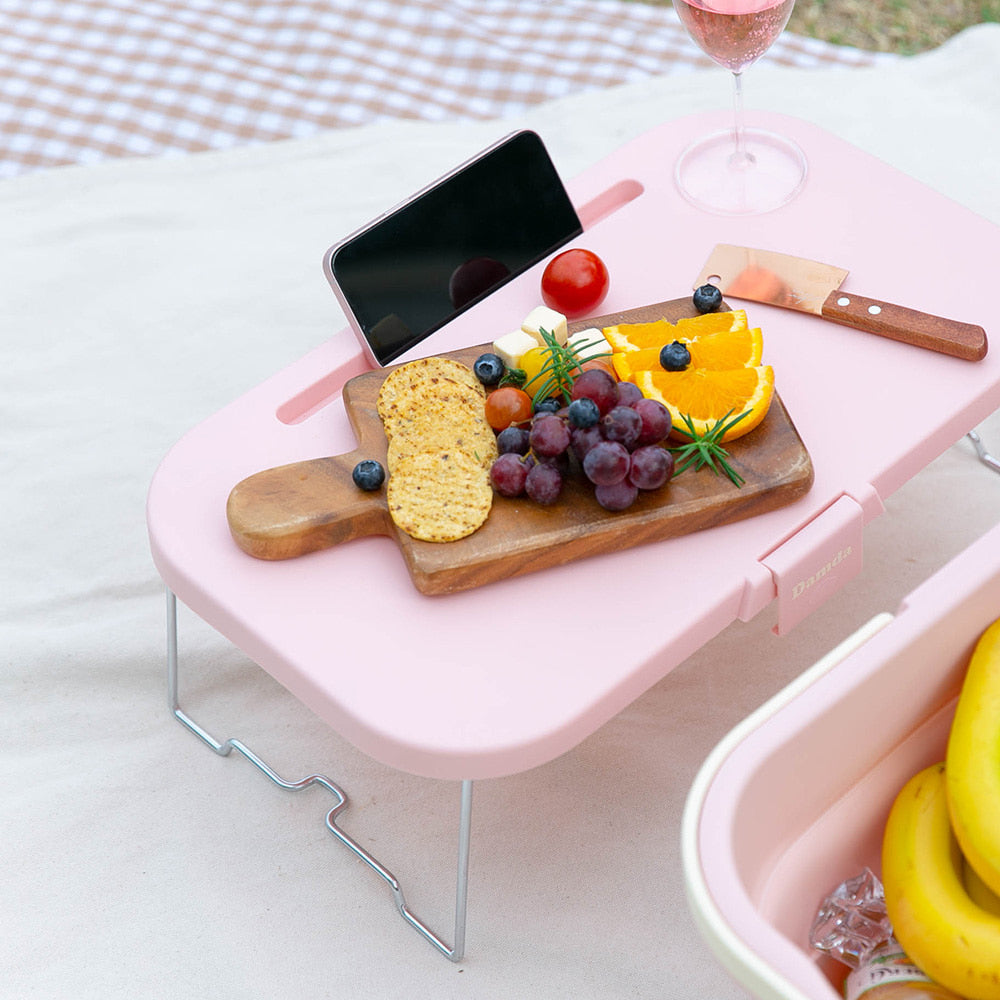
(589, 343)
(512, 345)
(544, 318)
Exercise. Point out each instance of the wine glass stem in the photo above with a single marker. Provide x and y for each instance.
(742, 159)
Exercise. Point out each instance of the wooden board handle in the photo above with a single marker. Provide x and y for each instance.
(293, 509)
(946, 336)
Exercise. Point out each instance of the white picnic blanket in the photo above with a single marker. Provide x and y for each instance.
(141, 295)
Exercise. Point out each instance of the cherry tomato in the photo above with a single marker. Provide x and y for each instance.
(575, 282)
(507, 405)
(531, 363)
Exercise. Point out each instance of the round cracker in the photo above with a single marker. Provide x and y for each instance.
(439, 496)
(425, 377)
(431, 433)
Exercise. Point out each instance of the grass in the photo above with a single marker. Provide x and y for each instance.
(903, 26)
(889, 25)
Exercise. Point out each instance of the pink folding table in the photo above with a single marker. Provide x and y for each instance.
(505, 677)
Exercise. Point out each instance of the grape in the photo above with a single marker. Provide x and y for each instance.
(513, 440)
(508, 475)
(549, 435)
(582, 439)
(656, 422)
(650, 467)
(597, 385)
(606, 463)
(628, 394)
(544, 484)
(583, 412)
(616, 496)
(622, 424)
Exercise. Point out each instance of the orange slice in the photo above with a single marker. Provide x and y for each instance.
(718, 322)
(740, 348)
(707, 395)
(635, 336)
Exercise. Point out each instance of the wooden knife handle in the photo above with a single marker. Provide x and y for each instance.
(946, 336)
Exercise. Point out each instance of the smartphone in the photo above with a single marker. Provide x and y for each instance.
(414, 268)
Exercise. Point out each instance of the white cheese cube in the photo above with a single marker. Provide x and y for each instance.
(512, 345)
(544, 318)
(589, 343)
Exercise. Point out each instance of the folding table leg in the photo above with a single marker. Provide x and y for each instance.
(454, 952)
(984, 456)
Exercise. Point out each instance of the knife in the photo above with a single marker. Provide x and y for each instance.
(779, 279)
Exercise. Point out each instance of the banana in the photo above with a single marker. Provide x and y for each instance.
(979, 892)
(955, 942)
(973, 760)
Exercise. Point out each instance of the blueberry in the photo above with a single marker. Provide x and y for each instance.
(489, 368)
(368, 475)
(551, 405)
(707, 299)
(583, 413)
(675, 357)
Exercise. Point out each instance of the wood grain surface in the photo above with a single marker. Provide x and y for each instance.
(291, 510)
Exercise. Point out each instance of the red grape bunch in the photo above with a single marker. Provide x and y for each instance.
(609, 430)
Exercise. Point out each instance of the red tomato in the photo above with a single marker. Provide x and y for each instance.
(575, 282)
(507, 405)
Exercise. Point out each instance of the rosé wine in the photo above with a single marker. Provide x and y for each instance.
(735, 33)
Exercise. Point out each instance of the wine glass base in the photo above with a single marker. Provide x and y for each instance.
(709, 176)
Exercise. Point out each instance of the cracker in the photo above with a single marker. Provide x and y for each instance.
(433, 394)
(424, 434)
(440, 449)
(402, 380)
(439, 496)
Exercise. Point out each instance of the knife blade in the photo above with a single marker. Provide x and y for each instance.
(780, 279)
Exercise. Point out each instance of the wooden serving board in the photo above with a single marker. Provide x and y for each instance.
(294, 509)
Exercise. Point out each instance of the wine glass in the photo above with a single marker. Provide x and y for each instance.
(740, 171)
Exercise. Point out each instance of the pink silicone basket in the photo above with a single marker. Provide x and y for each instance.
(794, 800)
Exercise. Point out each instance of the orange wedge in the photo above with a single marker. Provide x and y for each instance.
(636, 336)
(708, 395)
(740, 348)
(718, 322)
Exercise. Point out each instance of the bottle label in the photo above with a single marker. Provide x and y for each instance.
(893, 967)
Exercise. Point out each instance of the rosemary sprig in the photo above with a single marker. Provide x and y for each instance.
(561, 366)
(513, 376)
(706, 450)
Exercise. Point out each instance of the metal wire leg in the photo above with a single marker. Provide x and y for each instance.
(984, 456)
(455, 952)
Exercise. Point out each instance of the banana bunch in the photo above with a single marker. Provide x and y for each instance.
(974, 761)
(941, 848)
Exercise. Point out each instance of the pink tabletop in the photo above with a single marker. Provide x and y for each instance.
(508, 676)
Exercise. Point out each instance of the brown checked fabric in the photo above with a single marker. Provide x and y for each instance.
(83, 80)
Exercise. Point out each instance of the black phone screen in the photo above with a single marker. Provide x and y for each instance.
(424, 263)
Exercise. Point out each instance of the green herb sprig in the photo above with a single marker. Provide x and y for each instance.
(706, 449)
(513, 376)
(561, 367)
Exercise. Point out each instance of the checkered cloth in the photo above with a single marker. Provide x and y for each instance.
(82, 80)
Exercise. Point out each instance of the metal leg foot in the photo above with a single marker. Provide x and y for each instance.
(454, 952)
(984, 456)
